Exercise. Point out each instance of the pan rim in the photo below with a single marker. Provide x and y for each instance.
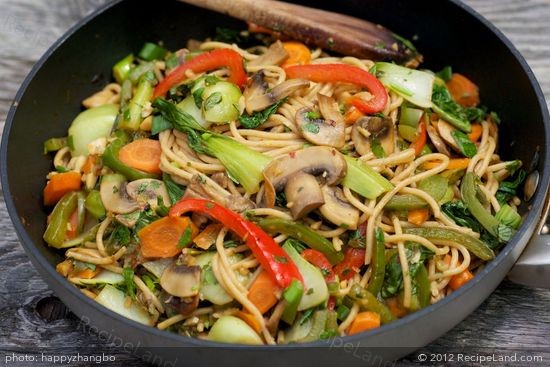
(520, 238)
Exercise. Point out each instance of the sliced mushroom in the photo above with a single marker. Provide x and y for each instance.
(258, 98)
(336, 208)
(437, 142)
(445, 131)
(274, 55)
(198, 188)
(183, 306)
(181, 280)
(318, 161)
(303, 194)
(148, 191)
(328, 131)
(114, 196)
(368, 128)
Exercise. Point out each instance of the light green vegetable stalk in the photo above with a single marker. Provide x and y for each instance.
(364, 180)
(131, 118)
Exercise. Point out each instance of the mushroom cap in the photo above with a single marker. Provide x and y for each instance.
(329, 130)
(114, 196)
(181, 280)
(303, 194)
(326, 162)
(368, 128)
(147, 191)
(337, 210)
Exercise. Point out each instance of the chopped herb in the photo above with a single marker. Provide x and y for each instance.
(280, 199)
(280, 259)
(313, 115)
(172, 61)
(211, 80)
(298, 246)
(120, 235)
(311, 127)
(129, 284)
(258, 118)
(185, 239)
(494, 117)
(145, 218)
(61, 169)
(212, 100)
(230, 244)
(229, 35)
(162, 209)
(306, 316)
(209, 205)
(377, 148)
(150, 281)
(408, 44)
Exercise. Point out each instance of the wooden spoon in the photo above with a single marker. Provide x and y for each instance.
(332, 31)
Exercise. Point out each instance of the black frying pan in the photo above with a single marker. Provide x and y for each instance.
(80, 63)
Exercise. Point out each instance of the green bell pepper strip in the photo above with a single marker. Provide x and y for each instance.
(472, 244)
(89, 235)
(304, 234)
(468, 191)
(369, 302)
(423, 287)
(81, 213)
(54, 144)
(110, 159)
(152, 51)
(122, 68)
(378, 264)
(318, 322)
(94, 205)
(131, 117)
(57, 228)
(436, 186)
(292, 295)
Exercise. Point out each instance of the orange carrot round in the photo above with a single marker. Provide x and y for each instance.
(59, 185)
(250, 320)
(476, 132)
(142, 154)
(460, 279)
(161, 238)
(262, 292)
(462, 89)
(298, 54)
(418, 216)
(364, 321)
(352, 114)
(73, 224)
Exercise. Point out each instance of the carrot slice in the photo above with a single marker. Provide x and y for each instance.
(142, 154)
(250, 320)
(352, 114)
(462, 89)
(59, 185)
(208, 236)
(298, 54)
(89, 164)
(161, 238)
(86, 273)
(396, 308)
(460, 279)
(262, 292)
(364, 321)
(476, 132)
(456, 163)
(418, 216)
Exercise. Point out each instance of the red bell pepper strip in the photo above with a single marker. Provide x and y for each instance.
(318, 259)
(207, 61)
(354, 258)
(271, 256)
(342, 73)
(419, 143)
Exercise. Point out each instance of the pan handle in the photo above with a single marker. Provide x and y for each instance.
(533, 266)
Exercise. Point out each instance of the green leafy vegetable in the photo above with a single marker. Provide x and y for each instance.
(508, 189)
(446, 73)
(212, 100)
(121, 235)
(160, 124)
(129, 284)
(54, 144)
(466, 146)
(185, 239)
(175, 191)
(448, 109)
(258, 118)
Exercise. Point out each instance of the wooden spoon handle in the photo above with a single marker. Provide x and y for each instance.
(337, 32)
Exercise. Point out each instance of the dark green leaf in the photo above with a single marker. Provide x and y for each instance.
(298, 245)
(150, 281)
(197, 97)
(162, 209)
(211, 80)
(129, 284)
(377, 148)
(185, 239)
(212, 100)
(258, 118)
(175, 191)
(466, 146)
(508, 189)
(120, 235)
(446, 73)
(160, 124)
(145, 218)
(228, 35)
(61, 169)
(408, 44)
(475, 113)
(280, 199)
(172, 61)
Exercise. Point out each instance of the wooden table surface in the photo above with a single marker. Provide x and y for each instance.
(513, 319)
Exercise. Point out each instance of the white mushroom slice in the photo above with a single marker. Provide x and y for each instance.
(181, 280)
(275, 55)
(114, 196)
(437, 142)
(445, 131)
(337, 210)
(368, 128)
(303, 194)
(148, 191)
(329, 130)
